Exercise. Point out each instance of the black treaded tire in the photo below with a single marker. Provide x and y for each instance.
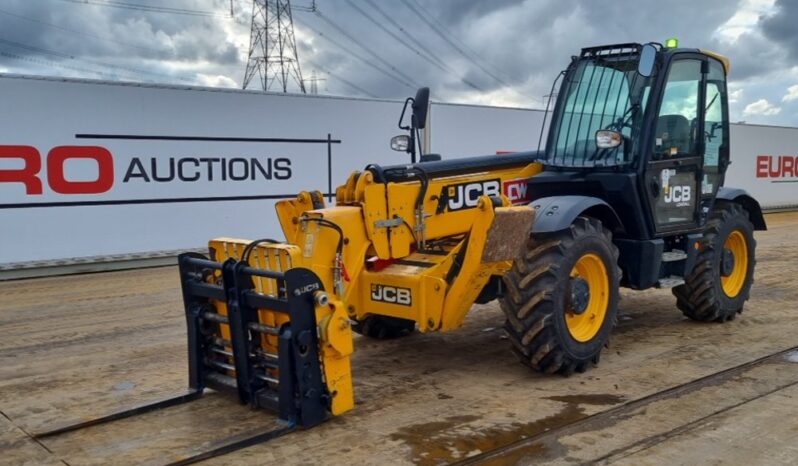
(538, 290)
(384, 327)
(702, 297)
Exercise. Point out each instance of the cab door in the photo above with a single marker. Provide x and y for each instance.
(716, 136)
(673, 173)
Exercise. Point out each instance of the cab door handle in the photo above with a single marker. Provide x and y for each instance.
(654, 187)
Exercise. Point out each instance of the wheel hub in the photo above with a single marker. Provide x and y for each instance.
(580, 295)
(727, 262)
(734, 263)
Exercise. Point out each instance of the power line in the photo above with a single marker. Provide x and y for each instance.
(447, 32)
(433, 60)
(351, 52)
(84, 34)
(393, 34)
(147, 8)
(303, 8)
(86, 60)
(45, 62)
(342, 79)
(407, 35)
(445, 36)
(374, 54)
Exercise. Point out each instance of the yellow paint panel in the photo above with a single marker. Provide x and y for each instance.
(722, 58)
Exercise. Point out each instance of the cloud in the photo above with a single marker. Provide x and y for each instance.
(502, 52)
(792, 94)
(735, 96)
(744, 20)
(780, 27)
(761, 107)
(216, 81)
(85, 40)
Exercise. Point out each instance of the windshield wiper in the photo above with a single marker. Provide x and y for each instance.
(622, 121)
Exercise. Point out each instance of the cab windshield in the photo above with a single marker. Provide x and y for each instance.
(600, 91)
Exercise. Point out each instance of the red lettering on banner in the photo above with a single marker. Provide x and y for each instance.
(771, 172)
(55, 169)
(787, 166)
(761, 166)
(783, 166)
(27, 175)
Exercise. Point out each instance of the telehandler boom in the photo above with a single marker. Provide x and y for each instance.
(628, 191)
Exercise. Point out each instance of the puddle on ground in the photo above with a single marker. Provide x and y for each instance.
(457, 437)
(792, 356)
(124, 385)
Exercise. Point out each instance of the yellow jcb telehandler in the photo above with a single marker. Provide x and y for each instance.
(628, 191)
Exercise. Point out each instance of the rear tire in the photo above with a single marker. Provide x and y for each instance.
(553, 325)
(384, 327)
(711, 293)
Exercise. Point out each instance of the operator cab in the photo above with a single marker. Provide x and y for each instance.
(644, 127)
(639, 139)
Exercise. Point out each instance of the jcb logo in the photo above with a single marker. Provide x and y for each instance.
(466, 195)
(678, 194)
(516, 191)
(306, 289)
(391, 294)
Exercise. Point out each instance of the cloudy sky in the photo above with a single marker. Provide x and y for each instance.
(499, 52)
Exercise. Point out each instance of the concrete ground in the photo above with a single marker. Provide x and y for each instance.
(667, 391)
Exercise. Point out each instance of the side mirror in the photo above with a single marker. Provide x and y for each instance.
(400, 143)
(648, 55)
(420, 106)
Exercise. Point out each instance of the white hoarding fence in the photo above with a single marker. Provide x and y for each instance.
(90, 168)
(765, 162)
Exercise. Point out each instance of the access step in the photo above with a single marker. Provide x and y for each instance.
(673, 256)
(670, 282)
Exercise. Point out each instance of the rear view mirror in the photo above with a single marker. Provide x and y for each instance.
(648, 55)
(420, 105)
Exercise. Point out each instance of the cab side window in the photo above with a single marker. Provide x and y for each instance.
(678, 114)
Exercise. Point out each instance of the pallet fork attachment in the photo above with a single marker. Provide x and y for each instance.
(226, 353)
(288, 381)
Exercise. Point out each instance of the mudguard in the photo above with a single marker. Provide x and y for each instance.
(750, 204)
(558, 212)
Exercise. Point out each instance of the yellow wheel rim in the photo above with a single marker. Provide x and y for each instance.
(734, 282)
(586, 325)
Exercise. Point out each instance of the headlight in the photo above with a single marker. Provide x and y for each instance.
(606, 139)
(400, 143)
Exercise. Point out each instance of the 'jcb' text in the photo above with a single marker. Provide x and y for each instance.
(466, 195)
(391, 295)
(679, 195)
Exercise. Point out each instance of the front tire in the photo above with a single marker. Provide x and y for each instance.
(719, 284)
(562, 298)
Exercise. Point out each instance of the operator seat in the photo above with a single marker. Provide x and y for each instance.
(673, 131)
